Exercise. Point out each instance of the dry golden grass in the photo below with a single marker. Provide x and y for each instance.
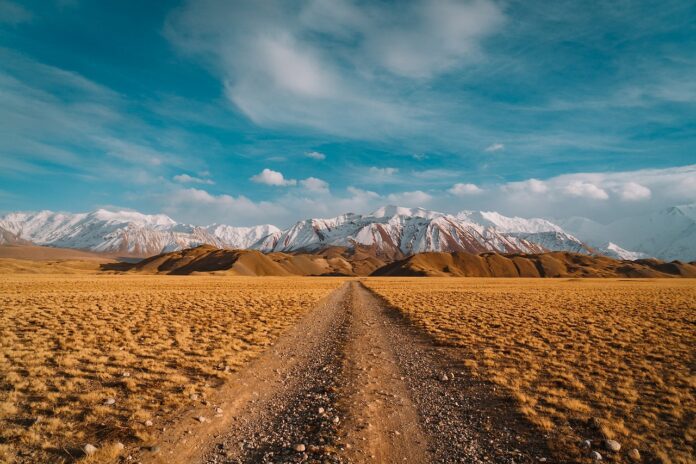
(608, 358)
(10, 266)
(69, 343)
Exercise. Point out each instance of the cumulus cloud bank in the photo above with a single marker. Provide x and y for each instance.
(596, 195)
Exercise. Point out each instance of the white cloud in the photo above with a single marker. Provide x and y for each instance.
(315, 185)
(270, 177)
(186, 179)
(632, 191)
(619, 194)
(384, 172)
(465, 189)
(356, 192)
(278, 74)
(561, 196)
(201, 207)
(430, 37)
(495, 147)
(294, 68)
(49, 112)
(533, 186)
(316, 155)
(433, 174)
(415, 198)
(683, 188)
(585, 190)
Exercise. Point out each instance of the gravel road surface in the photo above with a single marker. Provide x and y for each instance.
(353, 382)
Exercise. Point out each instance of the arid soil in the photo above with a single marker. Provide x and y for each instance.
(584, 359)
(203, 369)
(107, 359)
(354, 382)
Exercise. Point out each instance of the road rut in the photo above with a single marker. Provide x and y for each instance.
(354, 382)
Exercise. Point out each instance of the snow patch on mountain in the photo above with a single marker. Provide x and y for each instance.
(540, 231)
(615, 251)
(398, 231)
(241, 237)
(391, 230)
(125, 232)
(509, 224)
(668, 234)
(9, 238)
(391, 211)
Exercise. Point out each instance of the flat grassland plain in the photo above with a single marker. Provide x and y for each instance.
(102, 359)
(611, 358)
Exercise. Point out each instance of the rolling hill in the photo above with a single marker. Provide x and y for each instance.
(554, 264)
(338, 261)
(209, 259)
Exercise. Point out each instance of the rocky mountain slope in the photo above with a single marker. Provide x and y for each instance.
(10, 238)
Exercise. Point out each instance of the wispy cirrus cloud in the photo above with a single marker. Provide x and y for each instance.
(495, 147)
(579, 101)
(382, 172)
(12, 13)
(187, 179)
(60, 118)
(343, 84)
(315, 155)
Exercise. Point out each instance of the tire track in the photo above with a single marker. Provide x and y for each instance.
(355, 382)
(465, 419)
(382, 422)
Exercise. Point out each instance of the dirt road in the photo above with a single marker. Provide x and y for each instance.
(353, 382)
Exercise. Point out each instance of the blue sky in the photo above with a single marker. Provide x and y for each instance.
(272, 111)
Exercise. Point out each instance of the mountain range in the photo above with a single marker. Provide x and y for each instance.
(124, 233)
(392, 232)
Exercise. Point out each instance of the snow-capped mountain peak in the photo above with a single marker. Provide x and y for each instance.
(509, 224)
(390, 211)
(667, 234)
(399, 231)
(133, 217)
(391, 230)
(126, 232)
